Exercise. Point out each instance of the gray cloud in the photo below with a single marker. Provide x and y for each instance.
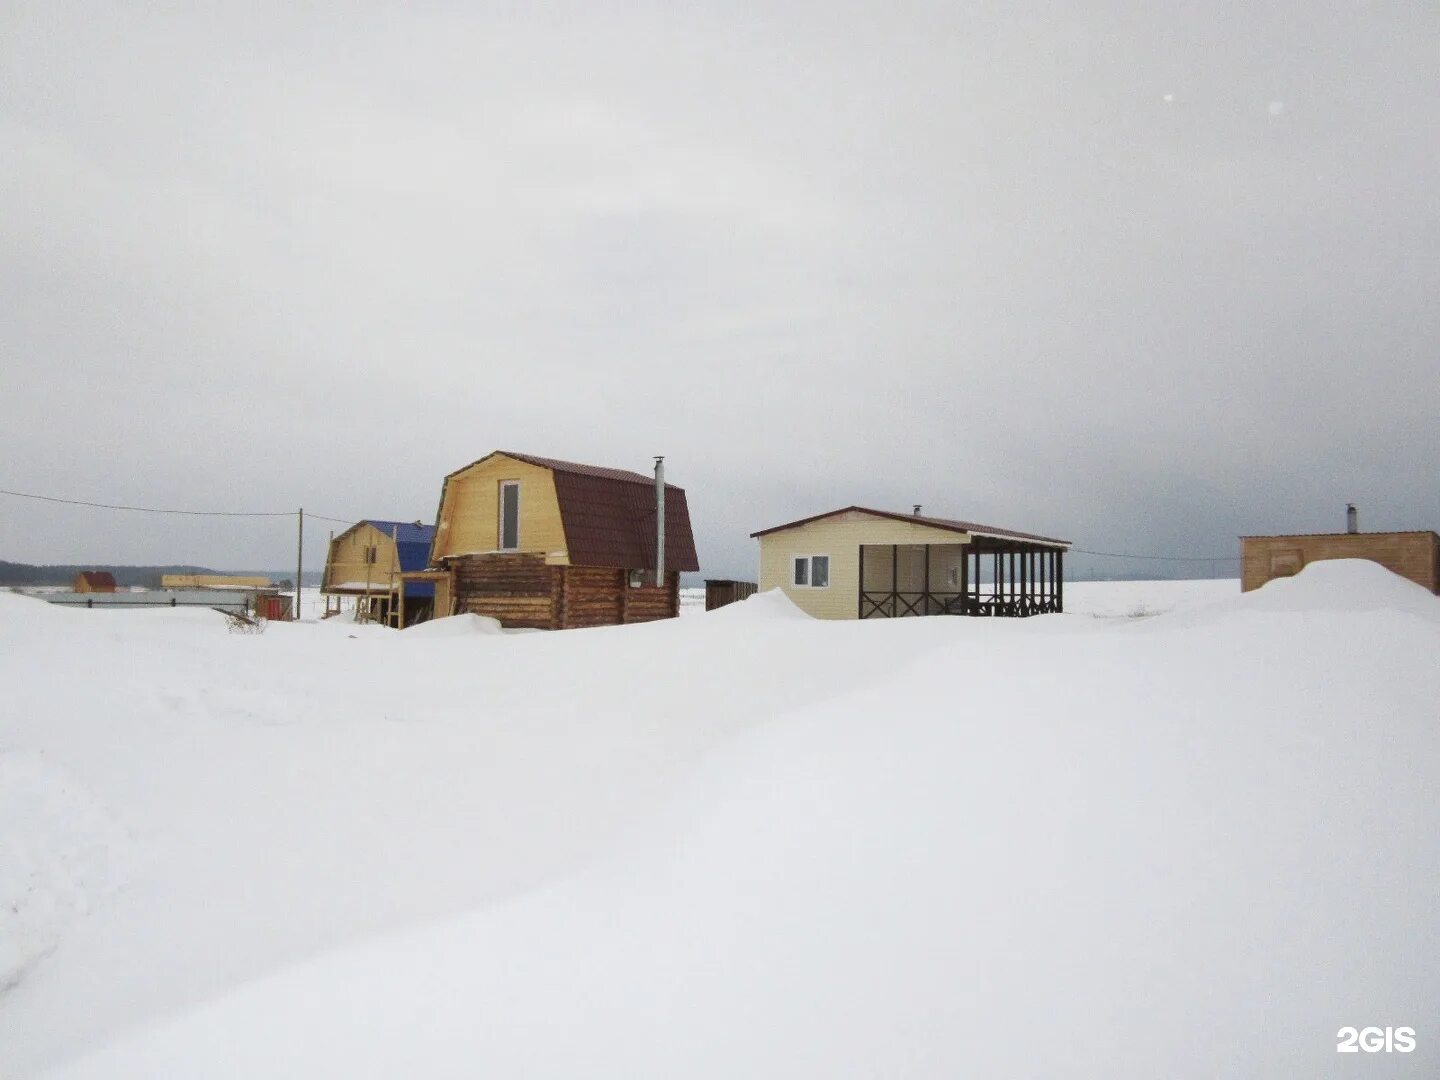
(1058, 269)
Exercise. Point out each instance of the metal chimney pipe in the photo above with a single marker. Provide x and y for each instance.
(1352, 518)
(660, 520)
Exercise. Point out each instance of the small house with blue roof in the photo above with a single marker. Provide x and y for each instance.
(367, 562)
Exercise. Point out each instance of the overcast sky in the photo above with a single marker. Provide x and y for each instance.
(1146, 276)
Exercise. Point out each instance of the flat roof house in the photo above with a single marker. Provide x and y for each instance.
(859, 563)
(542, 543)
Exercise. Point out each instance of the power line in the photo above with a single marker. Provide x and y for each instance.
(149, 509)
(346, 521)
(1160, 558)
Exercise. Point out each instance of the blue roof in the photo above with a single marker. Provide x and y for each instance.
(413, 541)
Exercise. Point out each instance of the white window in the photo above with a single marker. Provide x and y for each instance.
(812, 571)
(509, 515)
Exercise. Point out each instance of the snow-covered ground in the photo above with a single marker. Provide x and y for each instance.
(741, 843)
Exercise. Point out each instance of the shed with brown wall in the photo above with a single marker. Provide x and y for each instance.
(1413, 555)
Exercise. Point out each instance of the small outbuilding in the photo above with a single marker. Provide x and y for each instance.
(94, 581)
(1413, 555)
(858, 563)
(548, 544)
(720, 592)
(215, 581)
(370, 562)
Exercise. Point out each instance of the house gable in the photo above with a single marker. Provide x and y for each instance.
(469, 517)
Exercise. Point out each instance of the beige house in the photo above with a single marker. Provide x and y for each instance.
(858, 563)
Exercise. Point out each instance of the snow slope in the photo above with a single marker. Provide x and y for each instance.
(745, 844)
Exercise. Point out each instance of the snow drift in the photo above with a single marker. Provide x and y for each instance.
(1196, 844)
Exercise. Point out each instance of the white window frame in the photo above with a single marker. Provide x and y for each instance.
(809, 561)
(500, 523)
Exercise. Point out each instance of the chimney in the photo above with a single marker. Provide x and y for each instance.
(1352, 518)
(660, 520)
(917, 509)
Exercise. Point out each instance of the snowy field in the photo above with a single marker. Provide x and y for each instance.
(737, 844)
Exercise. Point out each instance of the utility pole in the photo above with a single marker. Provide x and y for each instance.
(299, 563)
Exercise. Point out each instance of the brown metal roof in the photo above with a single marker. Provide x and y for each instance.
(948, 524)
(609, 515)
(1296, 536)
(98, 579)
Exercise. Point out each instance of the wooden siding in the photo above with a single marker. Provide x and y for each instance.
(469, 519)
(840, 537)
(346, 565)
(1413, 555)
(522, 590)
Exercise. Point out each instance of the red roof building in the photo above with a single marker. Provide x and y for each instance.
(93, 581)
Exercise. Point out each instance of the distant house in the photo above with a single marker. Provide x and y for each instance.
(366, 561)
(536, 542)
(1413, 555)
(94, 581)
(214, 581)
(857, 563)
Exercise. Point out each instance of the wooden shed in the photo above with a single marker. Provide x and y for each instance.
(858, 563)
(371, 560)
(722, 591)
(1413, 555)
(537, 542)
(94, 581)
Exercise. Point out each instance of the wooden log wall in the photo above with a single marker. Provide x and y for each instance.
(522, 591)
(518, 589)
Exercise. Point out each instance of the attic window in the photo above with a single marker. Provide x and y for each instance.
(509, 515)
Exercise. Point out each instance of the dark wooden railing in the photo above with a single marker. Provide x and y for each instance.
(891, 605)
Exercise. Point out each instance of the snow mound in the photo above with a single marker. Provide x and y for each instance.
(60, 851)
(772, 605)
(1331, 586)
(466, 625)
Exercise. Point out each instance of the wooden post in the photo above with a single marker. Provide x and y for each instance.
(1059, 581)
(394, 568)
(860, 587)
(368, 565)
(894, 580)
(965, 580)
(927, 580)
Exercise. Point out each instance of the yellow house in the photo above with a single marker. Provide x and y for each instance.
(548, 544)
(858, 563)
(371, 561)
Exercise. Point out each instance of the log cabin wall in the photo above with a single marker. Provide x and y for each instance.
(521, 590)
